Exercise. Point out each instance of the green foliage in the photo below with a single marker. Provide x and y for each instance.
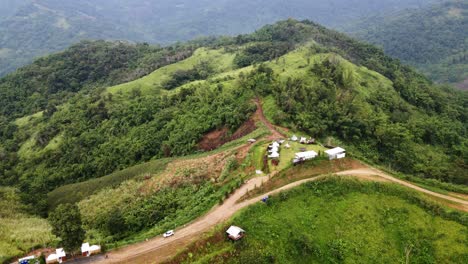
(432, 39)
(200, 71)
(75, 192)
(339, 220)
(66, 224)
(51, 81)
(19, 230)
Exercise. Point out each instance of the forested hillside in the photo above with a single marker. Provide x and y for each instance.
(31, 28)
(83, 130)
(106, 106)
(434, 39)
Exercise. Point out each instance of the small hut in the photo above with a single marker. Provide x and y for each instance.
(336, 153)
(87, 250)
(59, 256)
(235, 233)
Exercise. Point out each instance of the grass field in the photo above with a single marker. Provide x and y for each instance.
(19, 231)
(340, 221)
(218, 59)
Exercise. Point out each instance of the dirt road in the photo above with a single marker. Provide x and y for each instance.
(275, 134)
(159, 249)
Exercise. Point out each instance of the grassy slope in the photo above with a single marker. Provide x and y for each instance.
(340, 221)
(220, 60)
(19, 232)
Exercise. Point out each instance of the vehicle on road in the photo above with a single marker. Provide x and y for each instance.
(169, 233)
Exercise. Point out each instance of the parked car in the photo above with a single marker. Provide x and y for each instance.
(169, 233)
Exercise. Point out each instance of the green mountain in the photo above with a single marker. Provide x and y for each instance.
(32, 28)
(73, 125)
(433, 39)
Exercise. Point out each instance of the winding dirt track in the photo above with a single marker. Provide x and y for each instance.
(160, 249)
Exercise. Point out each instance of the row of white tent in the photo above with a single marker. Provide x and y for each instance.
(273, 152)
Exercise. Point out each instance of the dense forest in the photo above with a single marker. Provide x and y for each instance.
(433, 38)
(31, 28)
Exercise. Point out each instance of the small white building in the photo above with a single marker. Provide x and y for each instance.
(307, 155)
(59, 256)
(303, 140)
(275, 144)
(294, 138)
(87, 250)
(336, 153)
(235, 233)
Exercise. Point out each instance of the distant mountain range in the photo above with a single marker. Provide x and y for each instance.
(434, 39)
(31, 28)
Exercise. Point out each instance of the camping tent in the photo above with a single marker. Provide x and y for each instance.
(274, 155)
(59, 256)
(235, 232)
(87, 250)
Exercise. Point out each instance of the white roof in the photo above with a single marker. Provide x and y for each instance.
(94, 248)
(60, 252)
(235, 231)
(84, 247)
(274, 155)
(306, 154)
(275, 144)
(26, 258)
(294, 138)
(52, 257)
(273, 149)
(335, 151)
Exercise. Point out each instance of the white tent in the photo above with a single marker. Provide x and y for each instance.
(274, 155)
(275, 144)
(336, 153)
(85, 247)
(235, 232)
(307, 155)
(87, 250)
(273, 149)
(303, 140)
(294, 138)
(59, 256)
(287, 145)
(52, 258)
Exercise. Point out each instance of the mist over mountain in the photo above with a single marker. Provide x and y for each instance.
(434, 39)
(31, 28)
